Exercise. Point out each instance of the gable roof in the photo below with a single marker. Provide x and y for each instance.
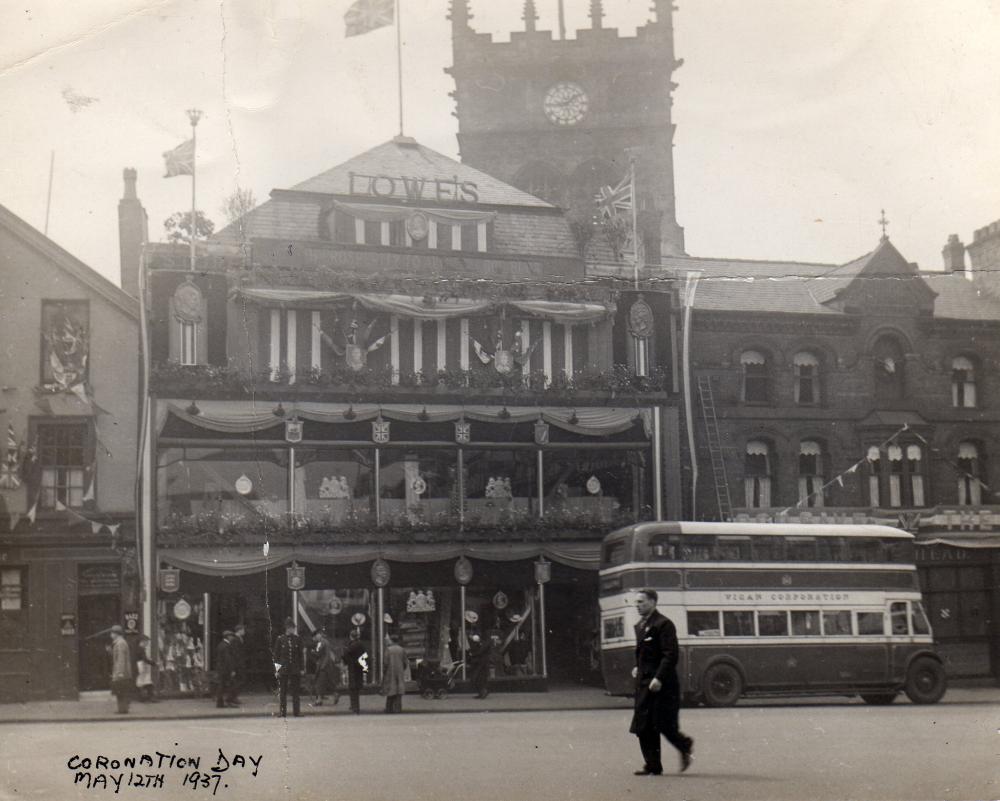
(403, 156)
(69, 263)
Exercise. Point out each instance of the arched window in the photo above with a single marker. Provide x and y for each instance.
(806, 378)
(914, 469)
(753, 364)
(874, 458)
(757, 475)
(887, 355)
(970, 476)
(810, 473)
(963, 383)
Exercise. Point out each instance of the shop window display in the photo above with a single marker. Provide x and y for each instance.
(599, 484)
(231, 483)
(181, 660)
(418, 485)
(334, 484)
(500, 485)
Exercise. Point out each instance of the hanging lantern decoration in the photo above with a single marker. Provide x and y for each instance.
(296, 576)
(463, 571)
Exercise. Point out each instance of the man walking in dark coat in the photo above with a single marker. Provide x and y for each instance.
(288, 666)
(238, 644)
(356, 659)
(657, 687)
(480, 651)
(225, 670)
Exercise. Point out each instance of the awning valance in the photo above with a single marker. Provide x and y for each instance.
(418, 307)
(374, 212)
(233, 417)
(243, 561)
(757, 448)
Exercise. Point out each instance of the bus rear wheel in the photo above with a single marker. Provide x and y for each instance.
(878, 699)
(925, 681)
(721, 685)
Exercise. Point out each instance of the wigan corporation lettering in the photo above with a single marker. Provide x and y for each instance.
(784, 597)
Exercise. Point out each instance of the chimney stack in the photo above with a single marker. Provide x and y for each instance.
(954, 255)
(133, 232)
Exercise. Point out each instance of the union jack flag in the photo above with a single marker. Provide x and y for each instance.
(10, 471)
(612, 200)
(367, 15)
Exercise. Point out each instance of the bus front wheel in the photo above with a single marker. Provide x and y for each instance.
(722, 685)
(925, 681)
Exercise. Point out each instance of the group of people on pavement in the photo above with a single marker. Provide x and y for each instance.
(657, 685)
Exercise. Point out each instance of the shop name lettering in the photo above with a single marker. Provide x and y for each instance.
(785, 596)
(151, 771)
(441, 189)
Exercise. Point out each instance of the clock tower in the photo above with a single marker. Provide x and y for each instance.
(560, 117)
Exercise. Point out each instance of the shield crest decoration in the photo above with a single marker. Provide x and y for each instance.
(380, 431)
(504, 361)
(296, 577)
(463, 433)
(293, 430)
(541, 433)
(355, 356)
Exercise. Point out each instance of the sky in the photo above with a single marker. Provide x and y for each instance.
(797, 120)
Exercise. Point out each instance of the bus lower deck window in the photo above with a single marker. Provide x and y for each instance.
(703, 624)
(837, 624)
(898, 615)
(805, 623)
(919, 619)
(772, 624)
(871, 624)
(737, 624)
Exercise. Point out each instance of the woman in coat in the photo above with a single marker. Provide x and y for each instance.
(393, 675)
(325, 678)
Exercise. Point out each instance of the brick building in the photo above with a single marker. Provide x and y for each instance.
(68, 406)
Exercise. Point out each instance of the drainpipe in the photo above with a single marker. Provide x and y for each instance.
(690, 288)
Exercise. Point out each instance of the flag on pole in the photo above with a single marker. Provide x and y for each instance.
(180, 160)
(367, 15)
(11, 438)
(612, 200)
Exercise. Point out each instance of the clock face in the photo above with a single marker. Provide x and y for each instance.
(566, 103)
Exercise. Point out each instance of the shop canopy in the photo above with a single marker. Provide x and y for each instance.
(237, 417)
(243, 561)
(420, 309)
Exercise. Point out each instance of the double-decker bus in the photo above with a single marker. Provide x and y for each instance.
(773, 609)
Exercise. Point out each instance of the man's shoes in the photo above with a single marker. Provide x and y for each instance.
(647, 772)
(336, 698)
(232, 704)
(687, 757)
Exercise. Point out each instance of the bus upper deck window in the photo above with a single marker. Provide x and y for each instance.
(871, 624)
(663, 548)
(614, 553)
(899, 552)
(696, 549)
(919, 620)
(898, 615)
(864, 549)
(732, 549)
(830, 549)
(801, 549)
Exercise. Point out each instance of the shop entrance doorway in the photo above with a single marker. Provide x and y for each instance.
(97, 614)
(572, 615)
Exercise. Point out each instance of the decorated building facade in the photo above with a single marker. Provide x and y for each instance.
(68, 410)
(392, 398)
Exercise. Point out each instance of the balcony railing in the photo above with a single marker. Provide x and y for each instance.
(945, 517)
(481, 520)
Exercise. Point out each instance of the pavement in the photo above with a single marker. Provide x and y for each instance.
(97, 706)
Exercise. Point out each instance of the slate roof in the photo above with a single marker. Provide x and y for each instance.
(405, 156)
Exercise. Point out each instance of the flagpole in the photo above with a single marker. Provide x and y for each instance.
(194, 115)
(635, 221)
(399, 63)
(48, 199)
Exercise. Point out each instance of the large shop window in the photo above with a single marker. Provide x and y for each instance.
(233, 483)
(500, 483)
(756, 387)
(757, 475)
(334, 484)
(63, 455)
(598, 484)
(418, 485)
(970, 474)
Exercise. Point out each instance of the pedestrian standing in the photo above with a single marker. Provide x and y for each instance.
(394, 675)
(238, 644)
(325, 676)
(121, 669)
(144, 670)
(356, 659)
(657, 687)
(225, 670)
(288, 666)
(480, 651)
